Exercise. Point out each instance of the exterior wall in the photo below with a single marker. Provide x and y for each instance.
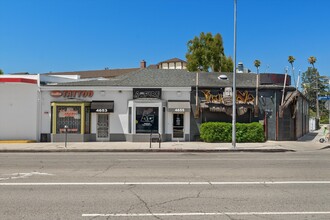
(19, 111)
(275, 128)
(176, 94)
(173, 65)
(295, 121)
(268, 102)
(119, 119)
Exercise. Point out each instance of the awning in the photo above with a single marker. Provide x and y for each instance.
(102, 106)
(178, 106)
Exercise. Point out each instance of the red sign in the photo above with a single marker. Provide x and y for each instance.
(72, 93)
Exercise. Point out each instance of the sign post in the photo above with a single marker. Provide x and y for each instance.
(66, 135)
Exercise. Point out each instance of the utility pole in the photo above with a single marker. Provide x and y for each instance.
(234, 81)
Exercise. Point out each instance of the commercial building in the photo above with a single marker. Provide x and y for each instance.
(171, 103)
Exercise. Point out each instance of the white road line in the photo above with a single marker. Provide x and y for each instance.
(223, 159)
(23, 175)
(163, 183)
(204, 214)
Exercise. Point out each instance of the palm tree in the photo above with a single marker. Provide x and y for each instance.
(312, 61)
(1, 72)
(291, 60)
(257, 64)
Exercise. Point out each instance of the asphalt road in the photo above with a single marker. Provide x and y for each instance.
(165, 185)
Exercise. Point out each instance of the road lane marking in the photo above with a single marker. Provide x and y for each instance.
(23, 175)
(163, 183)
(204, 214)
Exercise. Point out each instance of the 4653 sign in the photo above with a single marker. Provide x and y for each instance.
(101, 110)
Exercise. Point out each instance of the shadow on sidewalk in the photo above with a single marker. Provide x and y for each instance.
(308, 137)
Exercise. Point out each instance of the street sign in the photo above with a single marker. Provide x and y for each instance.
(324, 97)
(327, 105)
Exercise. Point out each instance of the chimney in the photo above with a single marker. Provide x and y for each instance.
(143, 64)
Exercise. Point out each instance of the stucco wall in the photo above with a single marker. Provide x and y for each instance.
(118, 120)
(18, 111)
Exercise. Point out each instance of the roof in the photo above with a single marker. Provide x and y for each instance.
(173, 60)
(107, 73)
(172, 78)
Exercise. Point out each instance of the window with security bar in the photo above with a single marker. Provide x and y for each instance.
(69, 116)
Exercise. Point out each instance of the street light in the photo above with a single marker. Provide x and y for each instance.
(234, 82)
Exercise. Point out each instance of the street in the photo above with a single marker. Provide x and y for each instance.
(292, 185)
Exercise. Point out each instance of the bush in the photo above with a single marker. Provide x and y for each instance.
(222, 132)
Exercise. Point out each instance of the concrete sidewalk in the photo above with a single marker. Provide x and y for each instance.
(309, 142)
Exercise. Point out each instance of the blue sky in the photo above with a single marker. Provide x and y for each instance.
(39, 36)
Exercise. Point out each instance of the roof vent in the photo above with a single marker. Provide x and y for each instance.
(222, 77)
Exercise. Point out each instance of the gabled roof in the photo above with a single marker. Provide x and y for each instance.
(173, 60)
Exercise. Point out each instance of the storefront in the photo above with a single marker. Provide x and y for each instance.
(150, 115)
(157, 102)
(83, 114)
(179, 119)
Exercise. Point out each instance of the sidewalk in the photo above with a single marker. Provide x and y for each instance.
(307, 143)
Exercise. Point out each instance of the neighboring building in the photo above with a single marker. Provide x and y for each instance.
(174, 63)
(20, 114)
(107, 73)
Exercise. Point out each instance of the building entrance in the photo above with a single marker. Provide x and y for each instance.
(102, 133)
(178, 127)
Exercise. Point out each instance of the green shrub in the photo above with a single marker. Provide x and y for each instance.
(222, 132)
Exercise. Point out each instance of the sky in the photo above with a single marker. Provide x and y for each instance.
(39, 36)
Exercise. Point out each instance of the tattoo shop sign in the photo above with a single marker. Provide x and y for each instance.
(72, 93)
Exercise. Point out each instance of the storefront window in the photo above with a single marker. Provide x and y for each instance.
(147, 119)
(70, 116)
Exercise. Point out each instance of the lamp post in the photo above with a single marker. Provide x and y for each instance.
(234, 82)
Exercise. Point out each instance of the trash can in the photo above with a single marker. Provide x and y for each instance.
(44, 137)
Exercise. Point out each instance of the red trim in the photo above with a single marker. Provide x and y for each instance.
(18, 80)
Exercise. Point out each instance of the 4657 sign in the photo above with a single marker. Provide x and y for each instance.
(72, 93)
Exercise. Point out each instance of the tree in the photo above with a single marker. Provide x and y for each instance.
(291, 60)
(227, 64)
(312, 60)
(314, 85)
(206, 52)
(257, 64)
(1, 72)
(311, 85)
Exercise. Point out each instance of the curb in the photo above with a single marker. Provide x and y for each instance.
(145, 150)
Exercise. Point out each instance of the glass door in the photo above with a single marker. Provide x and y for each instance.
(102, 133)
(178, 127)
